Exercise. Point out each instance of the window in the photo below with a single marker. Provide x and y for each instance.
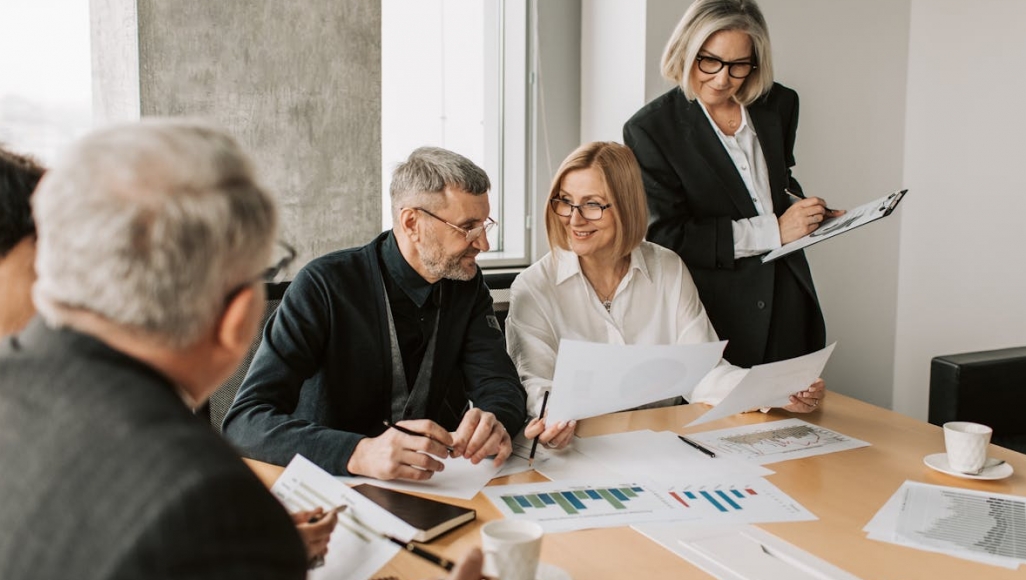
(454, 75)
(45, 88)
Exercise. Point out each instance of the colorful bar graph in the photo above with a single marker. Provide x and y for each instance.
(576, 500)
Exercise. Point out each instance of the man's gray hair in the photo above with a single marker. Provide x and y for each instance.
(429, 170)
(151, 225)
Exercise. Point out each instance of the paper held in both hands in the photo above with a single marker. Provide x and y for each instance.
(593, 379)
(770, 385)
(853, 218)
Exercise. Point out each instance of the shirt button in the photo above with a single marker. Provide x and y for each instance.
(755, 200)
(760, 304)
(744, 168)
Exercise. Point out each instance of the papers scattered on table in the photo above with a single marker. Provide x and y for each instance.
(769, 385)
(304, 486)
(662, 457)
(974, 525)
(741, 553)
(460, 479)
(593, 379)
(764, 443)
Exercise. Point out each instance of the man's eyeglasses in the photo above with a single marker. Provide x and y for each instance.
(591, 211)
(711, 65)
(472, 234)
(274, 273)
(271, 274)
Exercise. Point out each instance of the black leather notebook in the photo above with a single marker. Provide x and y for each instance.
(431, 518)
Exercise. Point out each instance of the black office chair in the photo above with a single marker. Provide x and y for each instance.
(986, 387)
(222, 398)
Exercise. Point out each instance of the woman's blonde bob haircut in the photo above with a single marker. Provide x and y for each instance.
(624, 189)
(705, 18)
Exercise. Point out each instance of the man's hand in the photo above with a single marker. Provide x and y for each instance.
(479, 435)
(396, 455)
(315, 528)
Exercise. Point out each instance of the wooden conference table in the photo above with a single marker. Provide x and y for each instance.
(844, 490)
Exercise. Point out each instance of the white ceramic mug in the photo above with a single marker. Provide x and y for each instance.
(511, 549)
(966, 444)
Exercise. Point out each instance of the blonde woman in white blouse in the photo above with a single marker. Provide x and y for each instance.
(602, 282)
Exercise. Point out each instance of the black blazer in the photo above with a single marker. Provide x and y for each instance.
(694, 193)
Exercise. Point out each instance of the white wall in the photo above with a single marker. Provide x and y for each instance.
(962, 280)
(612, 47)
(847, 60)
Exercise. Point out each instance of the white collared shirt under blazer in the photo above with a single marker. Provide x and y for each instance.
(655, 303)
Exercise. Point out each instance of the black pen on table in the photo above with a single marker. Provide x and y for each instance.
(410, 547)
(696, 446)
(402, 429)
(797, 197)
(534, 446)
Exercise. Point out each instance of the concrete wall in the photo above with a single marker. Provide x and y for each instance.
(299, 84)
(963, 246)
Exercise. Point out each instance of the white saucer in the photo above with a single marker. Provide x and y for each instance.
(550, 572)
(939, 462)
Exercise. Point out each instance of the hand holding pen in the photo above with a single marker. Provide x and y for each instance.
(408, 450)
(803, 217)
(556, 436)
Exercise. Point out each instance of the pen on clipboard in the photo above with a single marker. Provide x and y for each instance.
(534, 446)
(696, 446)
(402, 429)
(796, 197)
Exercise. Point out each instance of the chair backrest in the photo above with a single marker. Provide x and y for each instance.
(986, 387)
(498, 282)
(223, 397)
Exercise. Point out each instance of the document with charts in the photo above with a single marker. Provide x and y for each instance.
(830, 227)
(777, 441)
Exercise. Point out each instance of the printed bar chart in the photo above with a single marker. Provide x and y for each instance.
(574, 501)
(750, 501)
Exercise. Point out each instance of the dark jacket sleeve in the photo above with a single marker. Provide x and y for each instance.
(492, 382)
(223, 526)
(261, 421)
(701, 241)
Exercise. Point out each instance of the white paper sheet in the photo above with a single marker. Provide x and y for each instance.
(304, 486)
(460, 479)
(764, 443)
(662, 457)
(969, 524)
(582, 504)
(770, 385)
(593, 379)
(741, 553)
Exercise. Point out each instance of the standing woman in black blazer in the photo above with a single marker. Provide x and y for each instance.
(716, 154)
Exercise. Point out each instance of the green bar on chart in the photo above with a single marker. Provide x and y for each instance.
(612, 500)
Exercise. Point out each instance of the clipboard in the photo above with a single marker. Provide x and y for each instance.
(830, 227)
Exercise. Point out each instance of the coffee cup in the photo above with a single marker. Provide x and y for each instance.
(511, 549)
(966, 444)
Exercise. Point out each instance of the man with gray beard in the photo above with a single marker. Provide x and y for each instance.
(400, 331)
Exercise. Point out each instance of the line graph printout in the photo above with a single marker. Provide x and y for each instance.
(975, 525)
(777, 441)
(562, 506)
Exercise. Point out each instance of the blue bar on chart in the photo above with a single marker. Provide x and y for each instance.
(574, 501)
(723, 500)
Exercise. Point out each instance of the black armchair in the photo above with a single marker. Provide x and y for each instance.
(986, 387)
